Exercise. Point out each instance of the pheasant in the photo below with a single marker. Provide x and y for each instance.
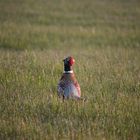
(68, 86)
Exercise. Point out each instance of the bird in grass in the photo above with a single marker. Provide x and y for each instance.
(68, 86)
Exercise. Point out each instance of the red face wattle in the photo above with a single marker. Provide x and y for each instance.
(71, 61)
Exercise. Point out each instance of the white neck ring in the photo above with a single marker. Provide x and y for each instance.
(71, 71)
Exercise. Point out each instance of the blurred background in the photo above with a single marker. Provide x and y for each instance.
(104, 38)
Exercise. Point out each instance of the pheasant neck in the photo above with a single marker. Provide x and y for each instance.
(68, 69)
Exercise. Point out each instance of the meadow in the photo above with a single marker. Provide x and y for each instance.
(102, 36)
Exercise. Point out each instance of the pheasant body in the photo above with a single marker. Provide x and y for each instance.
(68, 86)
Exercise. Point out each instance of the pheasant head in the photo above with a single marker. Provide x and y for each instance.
(68, 62)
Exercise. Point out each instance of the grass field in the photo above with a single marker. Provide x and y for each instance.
(104, 38)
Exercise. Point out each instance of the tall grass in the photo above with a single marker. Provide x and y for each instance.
(103, 37)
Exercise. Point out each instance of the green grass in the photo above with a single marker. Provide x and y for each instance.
(103, 37)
